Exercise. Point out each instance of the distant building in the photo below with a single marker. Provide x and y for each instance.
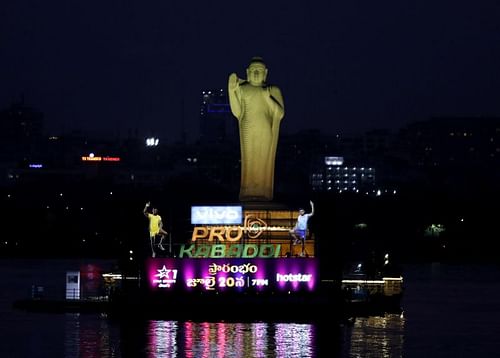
(335, 175)
(458, 155)
(217, 124)
(453, 141)
(21, 139)
(20, 131)
(20, 122)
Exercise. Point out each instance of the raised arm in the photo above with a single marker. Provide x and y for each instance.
(234, 94)
(145, 210)
(312, 208)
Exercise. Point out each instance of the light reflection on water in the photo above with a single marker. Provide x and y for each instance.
(450, 311)
(377, 336)
(89, 336)
(93, 337)
(224, 339)
(162, 339)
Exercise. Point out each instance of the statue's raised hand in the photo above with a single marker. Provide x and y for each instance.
(234, 82)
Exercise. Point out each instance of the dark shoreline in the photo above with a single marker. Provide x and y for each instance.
(277, 307)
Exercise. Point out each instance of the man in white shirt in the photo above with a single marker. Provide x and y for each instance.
(299, 232)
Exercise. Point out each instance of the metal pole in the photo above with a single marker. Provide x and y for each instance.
(169, 244)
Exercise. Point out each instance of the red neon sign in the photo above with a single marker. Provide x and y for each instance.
(100, 159)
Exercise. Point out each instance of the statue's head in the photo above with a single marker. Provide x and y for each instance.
(257, 71)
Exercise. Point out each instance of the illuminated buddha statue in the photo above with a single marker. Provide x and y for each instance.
(259, 109)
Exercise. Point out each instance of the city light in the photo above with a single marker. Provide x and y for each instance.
(152, 142)
(334, 160)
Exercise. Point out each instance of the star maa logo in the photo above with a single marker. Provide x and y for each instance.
(163, 272)
(165, 277)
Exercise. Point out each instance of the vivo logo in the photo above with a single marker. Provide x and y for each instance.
(216, 215)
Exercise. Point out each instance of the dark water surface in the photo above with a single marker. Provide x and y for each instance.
(449, 311)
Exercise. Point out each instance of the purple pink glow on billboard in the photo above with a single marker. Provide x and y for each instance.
(282, 274)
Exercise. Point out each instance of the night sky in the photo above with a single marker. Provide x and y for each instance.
(342, 66)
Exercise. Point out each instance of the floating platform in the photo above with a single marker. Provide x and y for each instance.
(239, 264)
(133, 302)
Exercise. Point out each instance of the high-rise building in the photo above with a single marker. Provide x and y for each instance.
(20, 131)
(453, 142)
(20, 122)
(217, 124)
(334, 175)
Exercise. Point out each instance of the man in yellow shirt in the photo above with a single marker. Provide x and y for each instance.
(156, 230)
